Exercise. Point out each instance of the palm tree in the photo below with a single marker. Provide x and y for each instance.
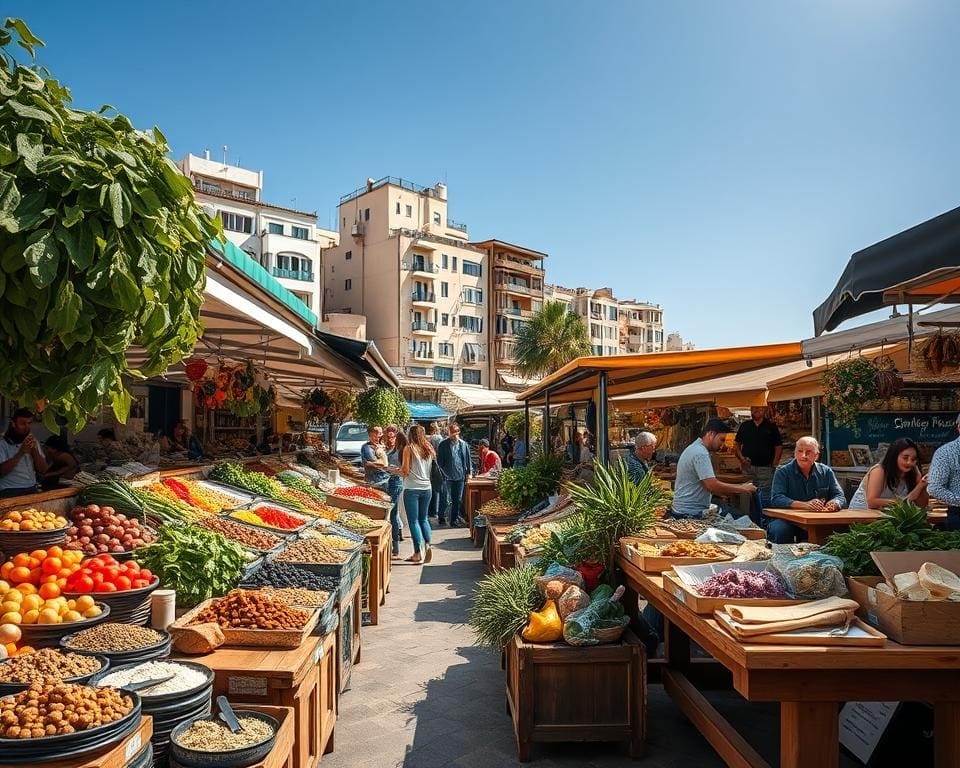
(552, 338)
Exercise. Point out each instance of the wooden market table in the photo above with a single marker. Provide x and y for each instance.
(810, 682)
(476, 492)
(381, 560)
(819, 525)
(498, 553)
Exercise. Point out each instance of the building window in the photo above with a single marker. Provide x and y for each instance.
(445, 349)
(472, 268)
(348, 284)
(348, 255)
(441, 373)
(444, 259)
(472, 353)
(436, 217)
(344, 220)
(444, 319)
(275, 229)
(597, 349)
(611, 313)
(444, 290)
(472, 295)
(207, 186)
(366, 214)
(409, 211)
(234, 222)
(594, 330)
(301, 233)
(471, 324)
(398, 207)
(454, 263)
(471, 377)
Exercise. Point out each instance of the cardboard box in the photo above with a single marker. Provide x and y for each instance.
(931, 622)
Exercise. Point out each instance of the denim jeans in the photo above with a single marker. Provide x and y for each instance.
(783, 532)
(394, 486)
(417, 503)
(953, 518)
(455, 494)
(438, 507)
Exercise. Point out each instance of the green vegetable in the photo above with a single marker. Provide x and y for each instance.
(523, 487)
(501, 603)
(197, 563)
(256, 482)
(141, 503)
(381, 406)
(295, 481)
(102, 248)
(604, 612)
(905, 529)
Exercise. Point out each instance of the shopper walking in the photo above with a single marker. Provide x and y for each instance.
(418, 459)
(438, 505)
(453, 456)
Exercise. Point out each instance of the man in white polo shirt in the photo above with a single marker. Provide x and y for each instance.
(20, 457)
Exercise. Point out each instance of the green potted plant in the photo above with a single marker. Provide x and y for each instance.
(847, 385)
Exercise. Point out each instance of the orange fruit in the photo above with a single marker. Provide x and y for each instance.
(36, 574)
(9, 606)
(25, 650)
(52, 564)
(49, 616)
(62, 583)
(38, 555)
(48, 591)
(5, 570)
(31, 603)
(11, 618)
(27, 588)
(31, 616)
(20, 574)
(22, 559)
(55, 552)
(11, 649)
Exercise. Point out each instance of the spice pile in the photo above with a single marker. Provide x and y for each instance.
(354, 521)
(241, 534)
(47, 664)
(333, 540)
(738, 583)
(31, 520)
(245, 609)
(498, 508)
(283, 575)
(361, 492)
(184, 678)
(270, 516)
(51, 709)
(213, 736)
(114, 638)
(312, 551)
(308, 598)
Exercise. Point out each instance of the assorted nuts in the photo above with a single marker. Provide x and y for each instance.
(52, 709)
(245, 609)
(47, 664)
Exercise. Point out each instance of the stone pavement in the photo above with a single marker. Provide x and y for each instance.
(424, 696)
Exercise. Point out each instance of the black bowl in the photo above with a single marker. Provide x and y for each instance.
(125, 606)
(236, 758)
(144, 759)
(9, 688)
(181, 698)
(159, 650)
(14, 542)
(48, 635)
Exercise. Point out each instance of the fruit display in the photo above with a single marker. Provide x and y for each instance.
(241, 534)
(272, 517)
(51, 709)
(95, 529)
(246, 609)
(312, 551)
(284, 575)
(34, 608)
(104, 574)
(113, 638)
(46, 570)
(31, 520)
(47, 664)
(10, 635)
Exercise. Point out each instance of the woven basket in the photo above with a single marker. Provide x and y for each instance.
(613, 634)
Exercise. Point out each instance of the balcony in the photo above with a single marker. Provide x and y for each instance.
(293, 274)
(418, 267)
(423, 297)
(419, 326)
(456, 225)
(423, 354)
(517, 312)
(523, 266)
(519, 288)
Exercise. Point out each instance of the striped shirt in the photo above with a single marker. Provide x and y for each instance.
(943, 479)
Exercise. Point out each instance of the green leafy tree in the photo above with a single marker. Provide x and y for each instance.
(514, 425)
(552, 338)
(381, 406)
(102, 247)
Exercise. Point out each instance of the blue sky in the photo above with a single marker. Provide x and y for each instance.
(721, 158)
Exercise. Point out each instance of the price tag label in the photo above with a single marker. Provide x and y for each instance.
(872, 618)
(133, 747)
(247, 686)
(679, 594)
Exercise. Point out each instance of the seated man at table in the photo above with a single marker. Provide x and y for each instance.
(806, 484)
(696, 481)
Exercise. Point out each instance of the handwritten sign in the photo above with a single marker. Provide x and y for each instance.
(931, 427)
(862, 724)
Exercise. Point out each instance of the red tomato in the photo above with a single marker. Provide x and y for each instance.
(97, 577)
(145, 573)
(111, 573)
(106, 586)
(83, 584)
(132, 565)
(122, 583)
(139, 583)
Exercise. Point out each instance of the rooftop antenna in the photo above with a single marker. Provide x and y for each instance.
(224, 155)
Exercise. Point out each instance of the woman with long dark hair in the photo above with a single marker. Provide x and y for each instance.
(418, 456)
(897, 476)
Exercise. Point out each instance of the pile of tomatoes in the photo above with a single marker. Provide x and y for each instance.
(104, 574)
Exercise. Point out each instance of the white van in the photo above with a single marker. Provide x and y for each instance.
(350, 439)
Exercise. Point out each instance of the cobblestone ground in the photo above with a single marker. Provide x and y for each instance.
(424, 696)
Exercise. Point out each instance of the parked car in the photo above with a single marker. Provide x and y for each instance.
(350, 439)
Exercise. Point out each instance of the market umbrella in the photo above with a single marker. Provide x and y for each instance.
(916, 260)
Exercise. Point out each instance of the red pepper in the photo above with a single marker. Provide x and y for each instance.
(278, 518)
(591, 573)
(182, 492)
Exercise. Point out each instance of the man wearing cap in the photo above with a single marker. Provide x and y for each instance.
(489, 460)
(696, 481)
(943, 479)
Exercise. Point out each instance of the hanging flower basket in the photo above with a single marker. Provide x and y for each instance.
(847, 385)
(317, 404)
(196, 368)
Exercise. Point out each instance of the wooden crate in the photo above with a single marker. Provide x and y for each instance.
(253, 638)
(655, 564)
(298, 678)
(373, 511)
(498, 552)
(559, 692)
(699, 604)
(115, 756)
(348, 637)
(381, 562)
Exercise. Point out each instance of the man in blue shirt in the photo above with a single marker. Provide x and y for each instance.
(20, 457)
(638, 460)
(802, 483)
(453, 457)
(374, 458)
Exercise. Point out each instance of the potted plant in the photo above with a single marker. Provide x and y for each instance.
(847, 385)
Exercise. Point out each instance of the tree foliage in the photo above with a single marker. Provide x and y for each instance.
(552, 338)
(513, 425)
(102, 247)
(379, 406)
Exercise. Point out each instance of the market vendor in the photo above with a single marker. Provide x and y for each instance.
(20, 457)
(803, 483)
(63, 465)
(696, 481)
(758, 447)
(489, 460)
(639, 460)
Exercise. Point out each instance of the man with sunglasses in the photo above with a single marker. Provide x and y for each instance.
(453, 456)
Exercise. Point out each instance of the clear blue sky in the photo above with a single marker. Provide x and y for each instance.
(721, 158)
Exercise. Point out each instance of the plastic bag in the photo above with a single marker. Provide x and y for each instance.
(720, 536)
(572, 600)
(557, 572)
(812, 576)
(604, 612)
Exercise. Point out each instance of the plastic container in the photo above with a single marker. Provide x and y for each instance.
(237, 758)
(163, 608)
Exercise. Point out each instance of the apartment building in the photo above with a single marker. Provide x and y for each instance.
(413, 273)
(285, 241)
(516, 290)
(675, 343)
(641, 327)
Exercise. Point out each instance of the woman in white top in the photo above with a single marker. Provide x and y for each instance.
(418, 456)
(898, 476)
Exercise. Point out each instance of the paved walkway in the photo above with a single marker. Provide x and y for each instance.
(424, 696)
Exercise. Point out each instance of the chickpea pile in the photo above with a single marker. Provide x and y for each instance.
(245, 609)
(31, 520)
(53, 709)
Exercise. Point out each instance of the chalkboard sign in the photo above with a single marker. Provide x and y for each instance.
(930, 427)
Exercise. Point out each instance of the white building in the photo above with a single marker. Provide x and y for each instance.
(285, 241)
(675, 343)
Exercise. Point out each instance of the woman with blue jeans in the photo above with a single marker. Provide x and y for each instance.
(418, 457)
(394, 443)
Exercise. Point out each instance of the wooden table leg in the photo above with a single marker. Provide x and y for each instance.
(817, 534)
(809, 734)
(676, 646)
(631, 603)
(946, 734)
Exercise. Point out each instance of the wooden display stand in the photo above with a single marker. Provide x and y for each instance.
(303, 679)
(498, 552)
(348, 637)
(117, 756)
(380, 570)
(477, 491)
(281, 756)
(560, 692)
